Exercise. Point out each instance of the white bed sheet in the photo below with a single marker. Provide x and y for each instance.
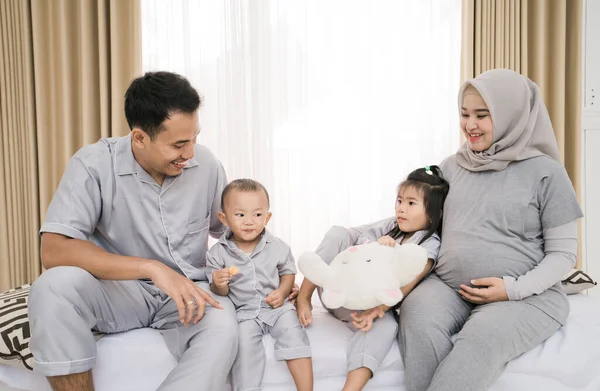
(139, 360)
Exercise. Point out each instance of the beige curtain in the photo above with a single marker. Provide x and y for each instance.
(19, 208)
(85, 54)
(69, 64)
(542, 40)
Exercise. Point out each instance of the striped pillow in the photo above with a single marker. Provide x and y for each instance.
(14, 327)
(577, 281)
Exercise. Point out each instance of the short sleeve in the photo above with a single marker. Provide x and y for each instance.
(448, 167)
(216, 227)
(557, 200)
(288, 264)
(432, 245)
(76, 206)
(213, 261)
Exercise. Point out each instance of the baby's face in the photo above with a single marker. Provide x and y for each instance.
(247, 214)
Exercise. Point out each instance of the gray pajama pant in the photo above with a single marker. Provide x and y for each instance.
(365, 349)
(489, 336)
(66, 303)
(291, 342)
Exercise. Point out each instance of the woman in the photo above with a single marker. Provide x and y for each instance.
(509, 236)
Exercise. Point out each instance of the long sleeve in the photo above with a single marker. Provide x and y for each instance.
(372, 232)
(339, 238)
(560, 249)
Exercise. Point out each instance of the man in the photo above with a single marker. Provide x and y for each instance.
(124, 242)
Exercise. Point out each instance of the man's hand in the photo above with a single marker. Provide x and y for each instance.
(275, 299)
(386, 241)
(221, 278)
(304, 310)
(365, 320)
(493, 290)
(188, 297)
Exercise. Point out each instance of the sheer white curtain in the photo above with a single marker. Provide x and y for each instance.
(330, 104)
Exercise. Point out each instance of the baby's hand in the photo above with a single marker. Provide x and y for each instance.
(275, 299)
(304, 310)
(221, 277)
(386, 241)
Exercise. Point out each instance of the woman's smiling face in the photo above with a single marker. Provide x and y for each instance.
(475, 121)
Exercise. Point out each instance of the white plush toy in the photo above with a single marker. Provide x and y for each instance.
(365, 276)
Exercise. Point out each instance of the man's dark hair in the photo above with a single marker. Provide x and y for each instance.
(243, 185)
(154, 97)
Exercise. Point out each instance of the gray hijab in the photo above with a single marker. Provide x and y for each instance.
(521, 124)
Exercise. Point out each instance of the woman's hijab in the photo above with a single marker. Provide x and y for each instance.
(521, 124)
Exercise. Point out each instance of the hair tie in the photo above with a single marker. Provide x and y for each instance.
(428, 170)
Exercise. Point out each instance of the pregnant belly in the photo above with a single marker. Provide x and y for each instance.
(455, 271)
(456, 267)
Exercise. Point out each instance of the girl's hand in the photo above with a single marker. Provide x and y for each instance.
(304, 310)
(294, 294)
(364, 321)
(493, 291)
(386, 241)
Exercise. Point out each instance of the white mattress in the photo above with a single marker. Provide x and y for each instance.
(139, 360)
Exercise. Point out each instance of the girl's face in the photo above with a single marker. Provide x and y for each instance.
(476, 122)
(410, 210)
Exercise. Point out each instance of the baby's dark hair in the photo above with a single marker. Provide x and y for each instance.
(243, 185)
(430, 182)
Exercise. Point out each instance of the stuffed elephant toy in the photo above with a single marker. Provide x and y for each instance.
(365, 276)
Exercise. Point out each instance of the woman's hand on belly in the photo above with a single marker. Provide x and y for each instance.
(489, 290)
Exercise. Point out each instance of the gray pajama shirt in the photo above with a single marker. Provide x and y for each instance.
(106, 197)
(368, 349)
(259, 274)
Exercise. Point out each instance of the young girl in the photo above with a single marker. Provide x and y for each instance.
(418, 219)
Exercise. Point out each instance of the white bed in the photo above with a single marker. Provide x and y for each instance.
(138, 360)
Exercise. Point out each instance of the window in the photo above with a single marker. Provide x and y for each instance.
(330, 104)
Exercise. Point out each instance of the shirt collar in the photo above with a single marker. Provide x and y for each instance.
(225, 239)
(125, 162)
(417, 236)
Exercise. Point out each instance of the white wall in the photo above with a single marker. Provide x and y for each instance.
(591, 141)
